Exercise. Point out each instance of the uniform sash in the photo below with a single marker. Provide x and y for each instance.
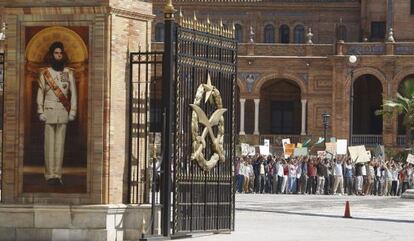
(58, 92)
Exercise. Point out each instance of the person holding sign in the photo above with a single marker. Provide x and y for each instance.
(338, 176)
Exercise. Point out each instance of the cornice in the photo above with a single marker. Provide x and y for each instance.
(81, 10)
(255, 6)
(131, 14)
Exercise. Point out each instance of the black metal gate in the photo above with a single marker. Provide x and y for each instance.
(203, 200)
(145, 125)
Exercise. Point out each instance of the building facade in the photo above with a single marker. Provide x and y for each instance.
(298, 59)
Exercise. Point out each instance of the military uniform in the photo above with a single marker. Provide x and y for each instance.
(56, 116)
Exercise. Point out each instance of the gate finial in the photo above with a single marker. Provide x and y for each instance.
(169, 10)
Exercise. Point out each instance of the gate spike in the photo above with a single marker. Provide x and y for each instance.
(180, 17)
(221, 30)
(195, 21)
(180, 14)
(195, 16)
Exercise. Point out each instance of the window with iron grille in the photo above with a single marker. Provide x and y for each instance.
(269, 33)
(239, 33)
(284, 34)
(412, 7)
(299, 34)
(377, 31)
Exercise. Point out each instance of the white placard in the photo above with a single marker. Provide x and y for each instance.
(321, 154)
(341, 146)
(245, 148)
(264, 150)
(369, 154)
(410, 158)
(266, 142)
(358, 154)
(252, 150)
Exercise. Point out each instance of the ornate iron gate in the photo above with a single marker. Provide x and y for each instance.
(145, 126)
(205, 58)
(198, 63)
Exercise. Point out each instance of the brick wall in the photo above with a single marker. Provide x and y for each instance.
(113, 32)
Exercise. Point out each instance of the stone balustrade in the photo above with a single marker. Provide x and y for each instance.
(355, 48)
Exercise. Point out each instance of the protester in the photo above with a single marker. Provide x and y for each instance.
(316, 175)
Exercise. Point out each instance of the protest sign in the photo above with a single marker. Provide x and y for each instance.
(264, 150)
(300, 151)
(369, 154)
(266, 142)
(289, 149)
(341, 146)
(358, 154)
(252, 150)
(379, 152)
(321, 154)
(330, 147)
(306, 143)
(245, 148)
(320, 140)
(410, 158)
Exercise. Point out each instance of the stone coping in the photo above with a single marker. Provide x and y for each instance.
(110, 216)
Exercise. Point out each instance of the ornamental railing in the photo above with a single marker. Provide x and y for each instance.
(367, 140)
(401, 140)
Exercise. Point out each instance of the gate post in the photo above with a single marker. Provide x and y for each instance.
(168, 114)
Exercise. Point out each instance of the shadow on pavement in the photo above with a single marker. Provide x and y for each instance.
(323, 215)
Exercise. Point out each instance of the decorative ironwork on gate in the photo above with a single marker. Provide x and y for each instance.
(203, 198)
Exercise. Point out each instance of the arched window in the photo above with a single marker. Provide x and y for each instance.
(238, 33)
(159, 32)
(341, 33)
(284, 34)
(269, 34)
(299, 34)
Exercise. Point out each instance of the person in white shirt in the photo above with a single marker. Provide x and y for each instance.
(279, 171)
(338, 176)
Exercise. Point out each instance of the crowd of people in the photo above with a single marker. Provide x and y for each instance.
(315, 175)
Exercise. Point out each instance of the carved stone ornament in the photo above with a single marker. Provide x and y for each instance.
(198, 116)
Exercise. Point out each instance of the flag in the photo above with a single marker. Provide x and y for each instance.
(320, 140)
(306, 143)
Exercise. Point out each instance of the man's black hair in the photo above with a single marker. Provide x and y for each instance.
(56, 45)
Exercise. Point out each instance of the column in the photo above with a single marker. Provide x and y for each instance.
(256, 116)
(303, 131)
(242, 101)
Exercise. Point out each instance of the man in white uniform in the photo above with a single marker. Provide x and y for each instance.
(56, 102)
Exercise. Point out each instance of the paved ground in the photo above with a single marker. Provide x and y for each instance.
(264, 217)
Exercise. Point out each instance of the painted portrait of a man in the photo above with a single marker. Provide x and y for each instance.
(56, 106)
(56, 103)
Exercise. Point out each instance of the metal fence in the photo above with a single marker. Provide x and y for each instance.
(367, 140)
(145, 126)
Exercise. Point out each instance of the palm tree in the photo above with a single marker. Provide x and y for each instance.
(402, 104)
